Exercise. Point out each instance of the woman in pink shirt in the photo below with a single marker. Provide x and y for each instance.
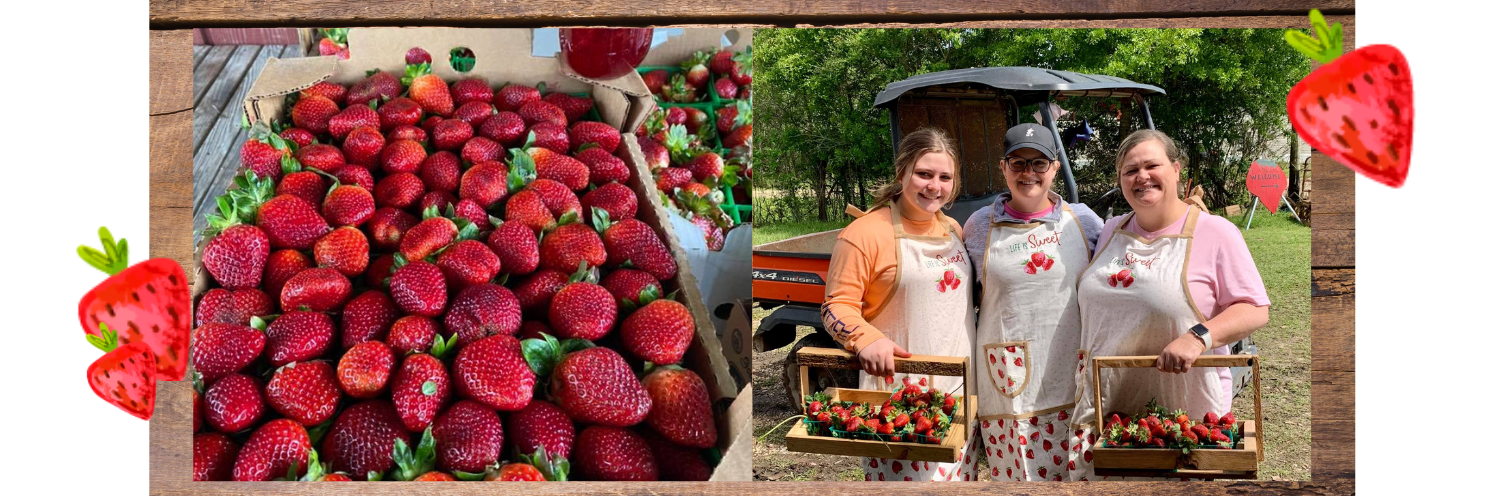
(1168, 280)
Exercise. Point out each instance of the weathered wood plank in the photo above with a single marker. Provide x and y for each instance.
(1262, 21)
(220, 93)
(1333, 333)
(530, 13)
(1332, 395)
(205, 72)
(198, 52)
(171, 179)
(212, 177)
(1332, 282)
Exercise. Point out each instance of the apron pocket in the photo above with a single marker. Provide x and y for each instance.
(1009, 366)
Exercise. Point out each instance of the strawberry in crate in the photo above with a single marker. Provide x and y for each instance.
(732, 70)
(1158, 428)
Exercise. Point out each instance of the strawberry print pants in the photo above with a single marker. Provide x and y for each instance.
(887, 469)
(1029, 449)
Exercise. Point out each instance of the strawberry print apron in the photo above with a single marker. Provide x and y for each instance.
(1134, 300)
(929, 312)
(1028, 345)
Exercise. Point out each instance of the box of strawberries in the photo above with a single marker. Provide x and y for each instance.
(427, 271)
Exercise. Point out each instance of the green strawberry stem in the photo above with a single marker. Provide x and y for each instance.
(441, 347)
(468, 476)
(114, 258)
(107, 342)
(552, 468)
(1329, 44)
(412, 465)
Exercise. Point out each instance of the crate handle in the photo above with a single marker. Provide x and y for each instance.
(918, 364)
(1253, 361)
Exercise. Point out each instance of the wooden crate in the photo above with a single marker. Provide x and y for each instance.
(949, 451)
(1240, 462)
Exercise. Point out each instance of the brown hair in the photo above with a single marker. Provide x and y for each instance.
(1142, 136)
(913, 146)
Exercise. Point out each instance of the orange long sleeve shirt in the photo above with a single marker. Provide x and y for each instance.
(862, 274)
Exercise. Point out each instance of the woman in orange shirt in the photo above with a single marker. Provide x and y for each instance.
(899, 284)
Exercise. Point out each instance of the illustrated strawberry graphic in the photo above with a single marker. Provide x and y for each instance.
(145, 303)
(1113, 281)
(1048, 264)
(126, 375)
(1038, 258)
(942, 287)
(1357, 107)
(1030, 268)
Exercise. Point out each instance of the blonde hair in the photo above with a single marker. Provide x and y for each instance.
(913, 146)
(1142, 136)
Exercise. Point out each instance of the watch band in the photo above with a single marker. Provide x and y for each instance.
(1202, 332)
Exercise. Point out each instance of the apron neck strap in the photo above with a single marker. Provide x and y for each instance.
(899, 227)
(1192, 221)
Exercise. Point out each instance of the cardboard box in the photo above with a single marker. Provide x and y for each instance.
(622, 102)
(680, 47)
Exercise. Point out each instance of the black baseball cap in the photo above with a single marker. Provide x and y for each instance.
(1033, 136)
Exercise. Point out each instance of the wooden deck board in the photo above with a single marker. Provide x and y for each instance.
(221, 91)
(207, 71)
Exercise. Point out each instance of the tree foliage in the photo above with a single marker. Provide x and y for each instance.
(819, 140)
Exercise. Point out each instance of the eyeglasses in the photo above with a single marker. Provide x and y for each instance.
(1038, 165)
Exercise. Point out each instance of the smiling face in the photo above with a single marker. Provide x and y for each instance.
(1029, 185)
(1147, 177)
(930, 183)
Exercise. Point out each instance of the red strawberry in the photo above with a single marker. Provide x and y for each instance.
(558, 198)
(468, 437)
(596, 386)
(485, 183)
(368, 317)
(306, 185)
(1030, 269)
(1227, 420)
(526, 208)
(326, 89)
(418, 288)
(377, 86)
(428, 90)
(516, 246)
(582, 310)
(451, 134)
(236, 257)
(1048, 264)
(313, 113)
(419, 390)
(603, 167)
(126, 375)
(532, 329)
(1357, 107)
(483, 310)
(412, 334)
(399, 111)
(668, 179)
(536, 293)
(363, 145)
(540, 111)
(558, 167)
(272, 450)
(348, 205)
(721, 62)
(301, 137)
(632, 288)
(379, 273)
(298, 336)
(1128, 281)
(318, 289)
(1038, 258)
(492, 371)
(356, 176)
(697, 71)
(326, 158)
(541, 425)
(387, 226)
(506, 128)
(617, 200)
(307, 392)
(659, 332)
(467, 263)
(416, 55)
(352, 117)
(573, 107)
(1211, 418)
(676, 462)
(598, 133)
(223, 349)
(655, 80)
(680, 408)
(427, 237)
(550, 135)
(613, 454)
(365, 368)
(440, 200)
(363, 438)
(513, 96)
(344, 249)
(291, 222)
(407, 132)
(632, 242)
(697, 120)
(220, 305)
(402, 156)
(480, 149)
(1201, 432)
(570, 246)
(440, 172)
(725, 118)
(472, 90)
(1113, 281)
(726, 88)
(213, 457)
(657, 157)
(233, 404)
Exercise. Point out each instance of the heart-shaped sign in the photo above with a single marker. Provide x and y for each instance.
(1266, 182)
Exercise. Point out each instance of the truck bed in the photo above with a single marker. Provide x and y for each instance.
(792, 271)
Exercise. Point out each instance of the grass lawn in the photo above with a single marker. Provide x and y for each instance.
(1282, 249)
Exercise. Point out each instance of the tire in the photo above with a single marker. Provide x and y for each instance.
(820, 378)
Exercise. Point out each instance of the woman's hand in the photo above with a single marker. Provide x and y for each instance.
(1180, 354)
(879, 358)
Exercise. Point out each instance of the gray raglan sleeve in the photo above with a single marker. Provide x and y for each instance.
(976, 234)
(1090, 222)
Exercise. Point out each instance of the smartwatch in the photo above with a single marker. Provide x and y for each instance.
(1202, 333)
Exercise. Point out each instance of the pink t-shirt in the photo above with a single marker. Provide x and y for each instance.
(1028, 216)
(1220, 271)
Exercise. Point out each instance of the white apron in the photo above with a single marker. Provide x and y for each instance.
(1028, 345)
(930, 312)
(1137, 314)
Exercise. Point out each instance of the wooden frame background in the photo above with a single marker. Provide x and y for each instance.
(1332, 218)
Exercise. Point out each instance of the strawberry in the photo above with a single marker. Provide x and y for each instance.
(428, 236)
(657, 157)
(368, 317)
(516, 246)
(713, 234)
(365, 368)
(726, 89)
(632, 289)
(1038, 258)
(741, 72)
(633, 243)
(301, 137)
(313, 112)
(416, 55)
(721, 62)
(483, 310)
(1048, 266)
(480, 149)
(506, 128)
(1357, 107)
(428, 90)
(613, 454)
(133, 364)
(307, 392)
(474, 113)
(318, 289)
(541, 425)
(516, 472)
(419, 390)
(233, 403)
(655, 80)
(272, 450)
(1211, 418)
(676, 116)
(363, 438)
(397, 112)
(697, 120)
(321, 157)
(352, 117)
(220, 305)
(402, 156)
(213, 457)
(659, 332)
(697, 71)
(555, 166)
(571, 246)
(379, 273)
(451, 134)
(596, 386)
(486, 183)
(550, 135)
(387, 226)
(1218, 436)
(297, 336)
(606, 137)
(468, 262)
(473, 89)
(412, 334)
(377, 86)
(291, 222)
(726, 116)
(440, 172)
(344, 249)
(526, 208)
(348, 205)
(306, 185)
(223, 349)
(536, 293)
(355, 175)
(617, 201)
(1227, 420)
(668, 179)
(326, 89)
(236, 257)
(540, 111)
(468, 437)
(363, 146)
(492, 371)
(1201, 432)
(1113, 281)
(408, 132)
(1128, 281)
(512, 96)
(418, 288)
(532, 329)
(603, 167)
(573, 107)
(680, 408)
(582, 310)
